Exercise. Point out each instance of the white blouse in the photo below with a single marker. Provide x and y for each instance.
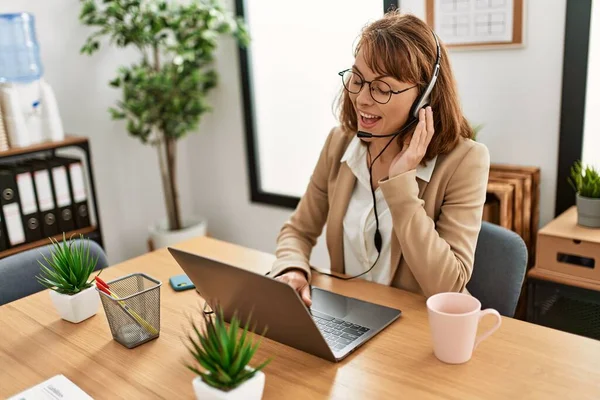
(359, 221)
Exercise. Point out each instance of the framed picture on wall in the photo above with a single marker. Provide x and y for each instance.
(478, 24)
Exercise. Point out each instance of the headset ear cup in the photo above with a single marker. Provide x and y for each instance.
(414, 109)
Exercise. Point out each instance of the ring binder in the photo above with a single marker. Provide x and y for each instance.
(11, 211)
(78, 190)
(62, 194)
(44, 196)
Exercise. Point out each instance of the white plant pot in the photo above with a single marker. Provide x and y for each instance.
(162, 237)
(78, 307)
(250, 390)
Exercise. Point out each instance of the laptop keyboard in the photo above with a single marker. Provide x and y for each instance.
(337, 332)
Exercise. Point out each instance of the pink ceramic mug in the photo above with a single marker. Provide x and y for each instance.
(453, 319)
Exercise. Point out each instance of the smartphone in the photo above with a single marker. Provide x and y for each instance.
(181, 282)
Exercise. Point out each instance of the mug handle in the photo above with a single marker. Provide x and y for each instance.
(493, 329)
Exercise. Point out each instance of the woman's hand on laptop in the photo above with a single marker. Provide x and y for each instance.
(297, 280)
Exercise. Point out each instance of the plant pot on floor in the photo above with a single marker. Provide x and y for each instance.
(252, 389)
(161, 237)
(78, 307)
(588, 211)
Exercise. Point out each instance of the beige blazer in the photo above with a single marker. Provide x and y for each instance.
(436, 223)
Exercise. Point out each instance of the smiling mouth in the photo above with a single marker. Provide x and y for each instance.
(368, 120)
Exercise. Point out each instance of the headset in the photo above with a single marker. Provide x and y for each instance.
(420, 102)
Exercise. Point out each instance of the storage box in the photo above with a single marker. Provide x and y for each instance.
(569, 249)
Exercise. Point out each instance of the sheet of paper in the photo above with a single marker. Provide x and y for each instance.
(26, 193)
(79, 193)
(61, 186)
(44, 190)
(57, 387)
(14, 223)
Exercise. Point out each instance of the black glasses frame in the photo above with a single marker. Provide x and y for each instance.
(392, 91)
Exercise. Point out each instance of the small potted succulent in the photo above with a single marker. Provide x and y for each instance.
(67, 274)
(586, 183)
(224, 354)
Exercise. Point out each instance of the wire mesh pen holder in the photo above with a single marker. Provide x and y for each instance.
(133, 309)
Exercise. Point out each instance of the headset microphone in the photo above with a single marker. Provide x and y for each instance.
(362, 134)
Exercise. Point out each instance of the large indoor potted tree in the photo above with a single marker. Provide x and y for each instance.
(222, 355)
(66, 272)
(164, 94)
(586, 183)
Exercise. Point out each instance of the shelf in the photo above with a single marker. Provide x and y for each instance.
(68, 141)
(563, 279)
(43, 242)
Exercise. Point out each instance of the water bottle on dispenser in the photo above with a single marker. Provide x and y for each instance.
(28, 105)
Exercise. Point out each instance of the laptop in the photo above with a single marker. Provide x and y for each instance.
(332, 328)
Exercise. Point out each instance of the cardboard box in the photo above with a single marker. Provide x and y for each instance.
(565, 247)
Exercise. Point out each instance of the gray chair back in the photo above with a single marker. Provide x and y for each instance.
(17, 272)
(499, 268)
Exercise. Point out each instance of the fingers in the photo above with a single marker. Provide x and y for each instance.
(298, 282)
(430, 128)
(414, 148)
(426, 118)
(305, 295)
(419, 130)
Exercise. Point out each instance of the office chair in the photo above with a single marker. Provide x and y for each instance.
(499, 268)
(17, 272)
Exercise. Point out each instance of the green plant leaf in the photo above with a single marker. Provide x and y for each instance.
(585, 181)
(223, 338)
(221, 351)
(211, 352)
(222, 375)
(263, 365)
(233, 334)
(214, 382)
(68, 267)
(201, 357)
(194, 370)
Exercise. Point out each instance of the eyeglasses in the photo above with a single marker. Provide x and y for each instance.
(380, 91)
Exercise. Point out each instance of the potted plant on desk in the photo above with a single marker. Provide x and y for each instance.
(164, 93)
(224, 354)
(586, 183)
(67, 274)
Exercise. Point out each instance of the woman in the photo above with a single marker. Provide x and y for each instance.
(404, 209)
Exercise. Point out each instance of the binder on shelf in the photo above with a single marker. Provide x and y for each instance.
(3, 243)
(78, 190)
(26, 198)
(45, 197)
(62, 195)
(11, 211)
(29, 208)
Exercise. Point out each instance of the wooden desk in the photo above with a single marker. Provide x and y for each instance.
(520, 361)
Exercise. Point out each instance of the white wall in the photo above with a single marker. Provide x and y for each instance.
(126, 173)
(515, 93)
